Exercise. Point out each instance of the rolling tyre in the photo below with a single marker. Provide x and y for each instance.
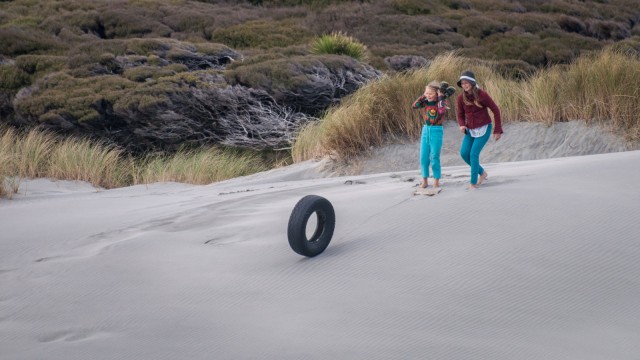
(325, 224)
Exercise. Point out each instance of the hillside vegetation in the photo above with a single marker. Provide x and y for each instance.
(599, 88)
(158, 78)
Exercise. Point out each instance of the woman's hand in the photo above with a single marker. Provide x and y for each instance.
(463, 129)
(497, 137)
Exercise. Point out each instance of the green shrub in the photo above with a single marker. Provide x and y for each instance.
(339, 44)
(572, 24)
(520, 47)
(389, 29)
(413, 7)
(13, 78)
(480, 26)
(284, 75)
(150, 46)
(256, 59)
(262, 34)
(100, 57)
(542, 50)
(605, 30)
(572, 8)
(26, 21)
(171, 70)
(96, 51)
(272, 75)
(530, 22)
(514, 69)
(186, 19)
(208, 48)
(311, 3)
(41, 64)
(26, 40)
(63, 95)
(140, 73)
(497, 5)
(457, 4)
(123, 23)
(78, 22)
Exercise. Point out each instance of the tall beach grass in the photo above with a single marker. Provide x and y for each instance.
(39, 154)
(601, 87)
(201, 166)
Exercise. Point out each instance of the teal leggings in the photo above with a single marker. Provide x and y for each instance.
(430, 146)
(470, 152)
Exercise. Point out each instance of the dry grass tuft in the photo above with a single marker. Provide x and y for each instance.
(43, 155)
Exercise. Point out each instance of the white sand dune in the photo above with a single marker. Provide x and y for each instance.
(522, 141)
(540, 263)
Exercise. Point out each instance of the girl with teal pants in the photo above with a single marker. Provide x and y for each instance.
(434, 106)
(470, 152)
(475, 123)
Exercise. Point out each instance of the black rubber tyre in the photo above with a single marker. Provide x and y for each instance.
(300, 215)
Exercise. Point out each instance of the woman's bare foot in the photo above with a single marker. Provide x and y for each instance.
(473, 187)
(482, 177)
(425, 183)
(436, 183)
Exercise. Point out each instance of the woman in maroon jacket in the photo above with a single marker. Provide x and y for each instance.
(475, 124)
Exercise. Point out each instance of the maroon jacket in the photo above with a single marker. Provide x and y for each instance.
(474, 117)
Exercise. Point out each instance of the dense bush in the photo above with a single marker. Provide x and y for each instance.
(19, 40)
(41, 64)
(572, 24)
(514, 69)
(12, 77)
(608, 30)
(496, 5)
(308, 84)
(78, 22)
(103, 57)
(262, 34)
(537, 50)
(142, 73)
(157, 107)
(481, 26)
(573, 8)
(163, 115)
(120, 23)
(313, 3)
(413, 7)
(529, 22)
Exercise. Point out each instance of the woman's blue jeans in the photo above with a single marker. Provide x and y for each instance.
(430, 146)
(470, 152)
